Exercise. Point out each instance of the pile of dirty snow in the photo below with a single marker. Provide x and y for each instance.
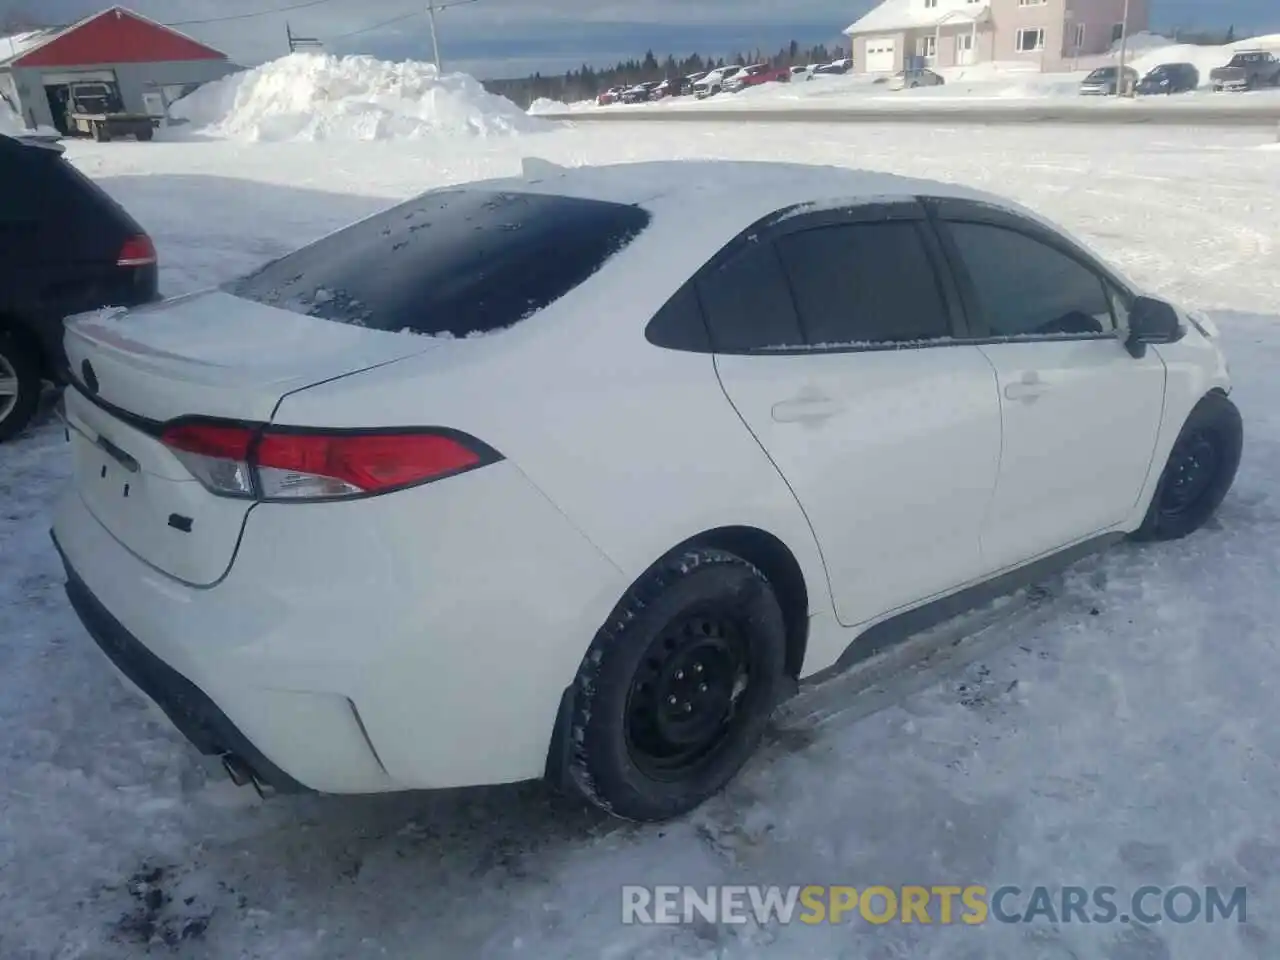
(314, 96)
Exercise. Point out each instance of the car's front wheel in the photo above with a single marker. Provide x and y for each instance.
(1200, 470)
(19, 385)
(673, 696)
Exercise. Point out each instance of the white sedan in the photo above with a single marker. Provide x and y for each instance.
(577, 474)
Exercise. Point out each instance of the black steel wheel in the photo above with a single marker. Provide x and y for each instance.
(673, 696)
(682, 705)
(1200, 470)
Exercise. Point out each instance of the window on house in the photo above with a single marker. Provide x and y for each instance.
(1117, 32)
(1032, 3)
(1030, 39)
(1079, 39)
(927, 47)
(930, 4)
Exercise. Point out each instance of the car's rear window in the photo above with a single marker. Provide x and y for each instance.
(449, 263)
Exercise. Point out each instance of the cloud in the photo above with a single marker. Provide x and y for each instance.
(499, 37)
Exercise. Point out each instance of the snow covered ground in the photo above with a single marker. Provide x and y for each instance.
(987, 81)
(1117, 726)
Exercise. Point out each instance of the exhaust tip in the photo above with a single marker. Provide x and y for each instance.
(237, 769)
(242, 774)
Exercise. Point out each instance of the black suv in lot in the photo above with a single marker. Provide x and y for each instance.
(66, 247)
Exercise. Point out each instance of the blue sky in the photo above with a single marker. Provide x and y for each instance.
(514, 37)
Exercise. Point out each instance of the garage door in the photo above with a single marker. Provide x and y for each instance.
(881, 55)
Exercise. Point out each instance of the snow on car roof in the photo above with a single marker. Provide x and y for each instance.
(695, 188)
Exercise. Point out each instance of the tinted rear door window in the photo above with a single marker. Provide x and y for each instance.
(747, 304)
(1028, 288)
(864, 283)
(454, 262)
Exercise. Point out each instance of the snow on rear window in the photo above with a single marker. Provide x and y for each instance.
(453, 263)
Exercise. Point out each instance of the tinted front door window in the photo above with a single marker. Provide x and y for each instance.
(1027, 288)
(864, 283)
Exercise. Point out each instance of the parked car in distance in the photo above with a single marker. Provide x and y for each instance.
(1102, 81)
(1169, 78)
(612, 95)
(714, 81)
(843, 65)
(65, 247)
(917, 77)
(675, 87)
(756, 75)
(641, 92)
(306, 522)
(804, 72)
(1247, 70)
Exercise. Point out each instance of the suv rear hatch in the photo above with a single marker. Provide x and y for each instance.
(79, 250)
(412, 279)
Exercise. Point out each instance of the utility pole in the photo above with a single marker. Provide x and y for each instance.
(1124, 43)
(432, 9)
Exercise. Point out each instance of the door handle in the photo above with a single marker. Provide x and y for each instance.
(1028, 389)
(806, 410)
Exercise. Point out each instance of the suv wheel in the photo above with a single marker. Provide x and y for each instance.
(19, 386)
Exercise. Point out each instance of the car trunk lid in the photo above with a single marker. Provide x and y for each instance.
(206, 355)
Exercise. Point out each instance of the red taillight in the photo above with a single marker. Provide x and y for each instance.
(137, 252)
(282, 464)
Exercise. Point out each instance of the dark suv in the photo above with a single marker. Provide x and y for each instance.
(1169, 78)
(65, 248)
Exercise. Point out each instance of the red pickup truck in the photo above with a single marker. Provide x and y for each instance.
(757, 74)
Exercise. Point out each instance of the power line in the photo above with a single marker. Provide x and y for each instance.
(377, 26)
(250, 16)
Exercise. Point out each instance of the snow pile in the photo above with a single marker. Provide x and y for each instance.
(1138, 42)
(313, 96)
(543, 105)
(1204, 59)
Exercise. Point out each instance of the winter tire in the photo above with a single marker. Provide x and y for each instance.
(19, 386)
(1200, 470)
(673, 696)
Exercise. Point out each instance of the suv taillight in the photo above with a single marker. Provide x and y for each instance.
(137, 252)
(296, 464)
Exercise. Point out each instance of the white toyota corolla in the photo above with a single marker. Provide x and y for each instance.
(577, 474)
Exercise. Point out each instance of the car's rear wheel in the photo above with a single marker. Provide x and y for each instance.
(1200, 470)
(673, 696)
(19, 386)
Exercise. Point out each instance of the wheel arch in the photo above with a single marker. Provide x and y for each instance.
(775, 560)
(15, 329)
(765, 551)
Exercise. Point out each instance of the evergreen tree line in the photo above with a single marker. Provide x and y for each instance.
(587, 82)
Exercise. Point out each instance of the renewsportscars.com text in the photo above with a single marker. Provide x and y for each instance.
(942, 904)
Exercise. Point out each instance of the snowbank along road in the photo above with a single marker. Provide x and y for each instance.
(1114, 726)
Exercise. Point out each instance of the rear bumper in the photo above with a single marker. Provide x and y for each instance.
(414, 641)
(191, 711)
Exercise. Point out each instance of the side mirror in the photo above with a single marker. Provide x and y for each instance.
(1152, 321)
